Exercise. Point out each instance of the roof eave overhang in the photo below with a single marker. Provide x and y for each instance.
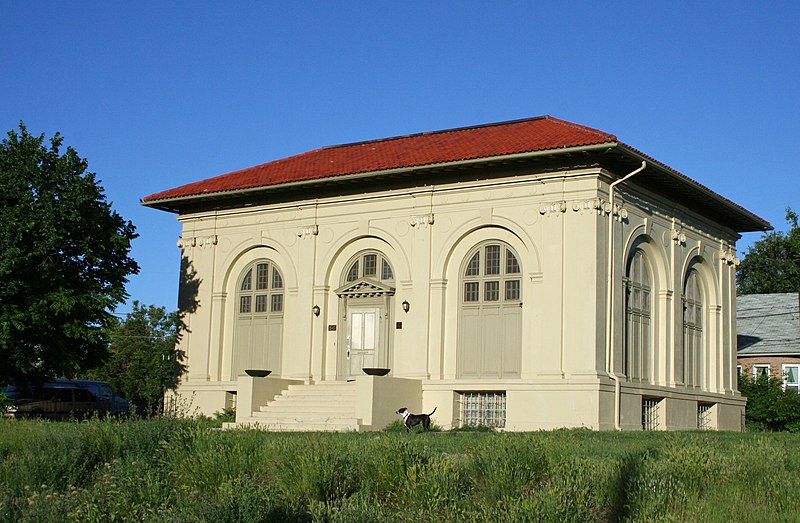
(751, 221)
(169, 204)
(756, 223)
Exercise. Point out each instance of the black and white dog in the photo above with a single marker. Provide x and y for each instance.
(412, 420)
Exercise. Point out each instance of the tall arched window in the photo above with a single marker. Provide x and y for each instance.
(638, 307)
(692, 328)
(490, 315)
(259, 318)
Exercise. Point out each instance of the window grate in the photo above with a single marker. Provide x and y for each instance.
(650, 413)
(483, 409)
(704, 416)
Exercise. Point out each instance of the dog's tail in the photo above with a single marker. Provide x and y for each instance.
(434, 410)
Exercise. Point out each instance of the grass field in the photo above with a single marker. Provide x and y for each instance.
(183, 470)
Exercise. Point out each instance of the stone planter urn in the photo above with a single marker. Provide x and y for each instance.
(374, 371)
(257, 373)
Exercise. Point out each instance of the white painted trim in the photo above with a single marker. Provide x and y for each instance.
(783, 373)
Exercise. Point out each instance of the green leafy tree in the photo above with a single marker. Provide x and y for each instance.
(769, 406)
(64, 260)
(772, 264)
(144, 360)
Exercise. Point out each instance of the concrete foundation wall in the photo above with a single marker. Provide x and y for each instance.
(379, 397)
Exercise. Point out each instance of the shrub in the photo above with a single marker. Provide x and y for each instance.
(768, 405)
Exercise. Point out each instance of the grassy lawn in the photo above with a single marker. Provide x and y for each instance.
(182, 470)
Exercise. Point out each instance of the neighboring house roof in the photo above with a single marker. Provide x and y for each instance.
(768, 324)
(482, 143)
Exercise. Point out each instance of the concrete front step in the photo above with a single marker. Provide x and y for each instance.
(326, 392)
(310, 403)
(292, 409)
(287, 425)
(296, 427)
(324, 406)
(329, 385)
(316, 419)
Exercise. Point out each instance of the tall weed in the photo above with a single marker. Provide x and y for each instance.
(185, 470)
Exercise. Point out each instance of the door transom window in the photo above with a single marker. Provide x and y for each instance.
(369, 264)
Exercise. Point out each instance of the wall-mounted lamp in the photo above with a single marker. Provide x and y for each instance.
(315, 310)
(406, 306)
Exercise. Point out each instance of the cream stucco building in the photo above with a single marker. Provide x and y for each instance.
(493, 270)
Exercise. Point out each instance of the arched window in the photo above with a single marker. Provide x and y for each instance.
(638, 307)
(369, 264)
(261, 290)
(490, 313)
(492, 274)
(259, 318)
(692, 328)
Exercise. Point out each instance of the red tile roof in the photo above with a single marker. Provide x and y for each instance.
(468, 143)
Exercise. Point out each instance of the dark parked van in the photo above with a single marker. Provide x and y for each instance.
(62, 399)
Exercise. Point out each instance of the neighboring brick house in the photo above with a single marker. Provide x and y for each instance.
(768, 336)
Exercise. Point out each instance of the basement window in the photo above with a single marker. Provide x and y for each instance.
(483, 409)
(704, 416)
(650, 413)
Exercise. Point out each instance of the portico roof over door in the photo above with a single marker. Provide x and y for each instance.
(364, 288)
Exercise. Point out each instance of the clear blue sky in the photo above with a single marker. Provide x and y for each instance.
(159, 94)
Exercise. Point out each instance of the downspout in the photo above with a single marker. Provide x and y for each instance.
(610, 284)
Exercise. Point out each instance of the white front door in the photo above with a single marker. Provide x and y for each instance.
(363, 339)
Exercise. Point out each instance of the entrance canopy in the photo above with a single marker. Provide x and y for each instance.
(364, 288)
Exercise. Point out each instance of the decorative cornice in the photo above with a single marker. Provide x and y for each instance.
(422, 220)
(591, 205)
(549, 208)
(197, 241)
(678, 237)
(661, 211)
(305, 232)
(728, 256)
